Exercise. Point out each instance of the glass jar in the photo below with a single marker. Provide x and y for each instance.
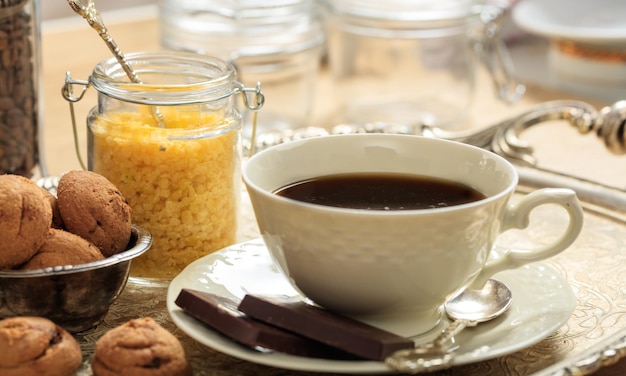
(172, 145)
(276, 42)
(19, 87)
(411, 62)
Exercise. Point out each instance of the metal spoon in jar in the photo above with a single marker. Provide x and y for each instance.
(467, 309)
(88, 11)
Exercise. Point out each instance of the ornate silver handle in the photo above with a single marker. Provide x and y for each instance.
(609, 124)
(89, 12)
(503, 137)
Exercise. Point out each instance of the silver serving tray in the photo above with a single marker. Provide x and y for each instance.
(595, 266)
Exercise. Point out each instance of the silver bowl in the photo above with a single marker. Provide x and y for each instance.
(74, 297)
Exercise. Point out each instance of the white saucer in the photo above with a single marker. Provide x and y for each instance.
(598, 21)
(543, 302)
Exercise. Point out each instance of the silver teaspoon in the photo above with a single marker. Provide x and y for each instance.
(87, 10)
(467, 309)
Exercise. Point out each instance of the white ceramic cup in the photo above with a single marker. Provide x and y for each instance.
(398, 264)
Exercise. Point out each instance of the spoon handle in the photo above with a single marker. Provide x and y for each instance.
(449, 332)
(432, 356)
(89, 12)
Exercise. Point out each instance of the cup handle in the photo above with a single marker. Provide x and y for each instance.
(517, 217)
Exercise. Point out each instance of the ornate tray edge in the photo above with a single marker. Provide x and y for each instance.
(602, 355)
(602, 200)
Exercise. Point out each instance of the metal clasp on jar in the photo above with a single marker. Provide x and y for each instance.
(253, 99)
(492, 52)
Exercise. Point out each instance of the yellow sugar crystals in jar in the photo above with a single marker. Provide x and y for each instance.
(181, 182)
(172, 144)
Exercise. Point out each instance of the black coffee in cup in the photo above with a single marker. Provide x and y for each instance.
(381, 191)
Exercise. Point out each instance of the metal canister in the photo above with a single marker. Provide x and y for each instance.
(19, 87)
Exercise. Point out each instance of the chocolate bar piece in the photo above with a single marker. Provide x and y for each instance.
(221, 314)
(313, 322)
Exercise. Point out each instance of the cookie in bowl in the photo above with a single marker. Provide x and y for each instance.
(63, 248)
(93, 208)
(25, 218)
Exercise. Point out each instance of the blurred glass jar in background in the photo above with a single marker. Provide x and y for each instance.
(19, 87)
(412, 62)
(276, 42)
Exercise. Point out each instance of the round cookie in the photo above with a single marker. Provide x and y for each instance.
(35, 346)
(25, 218)
(94, 209)
(63, 248)
(139, 347)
